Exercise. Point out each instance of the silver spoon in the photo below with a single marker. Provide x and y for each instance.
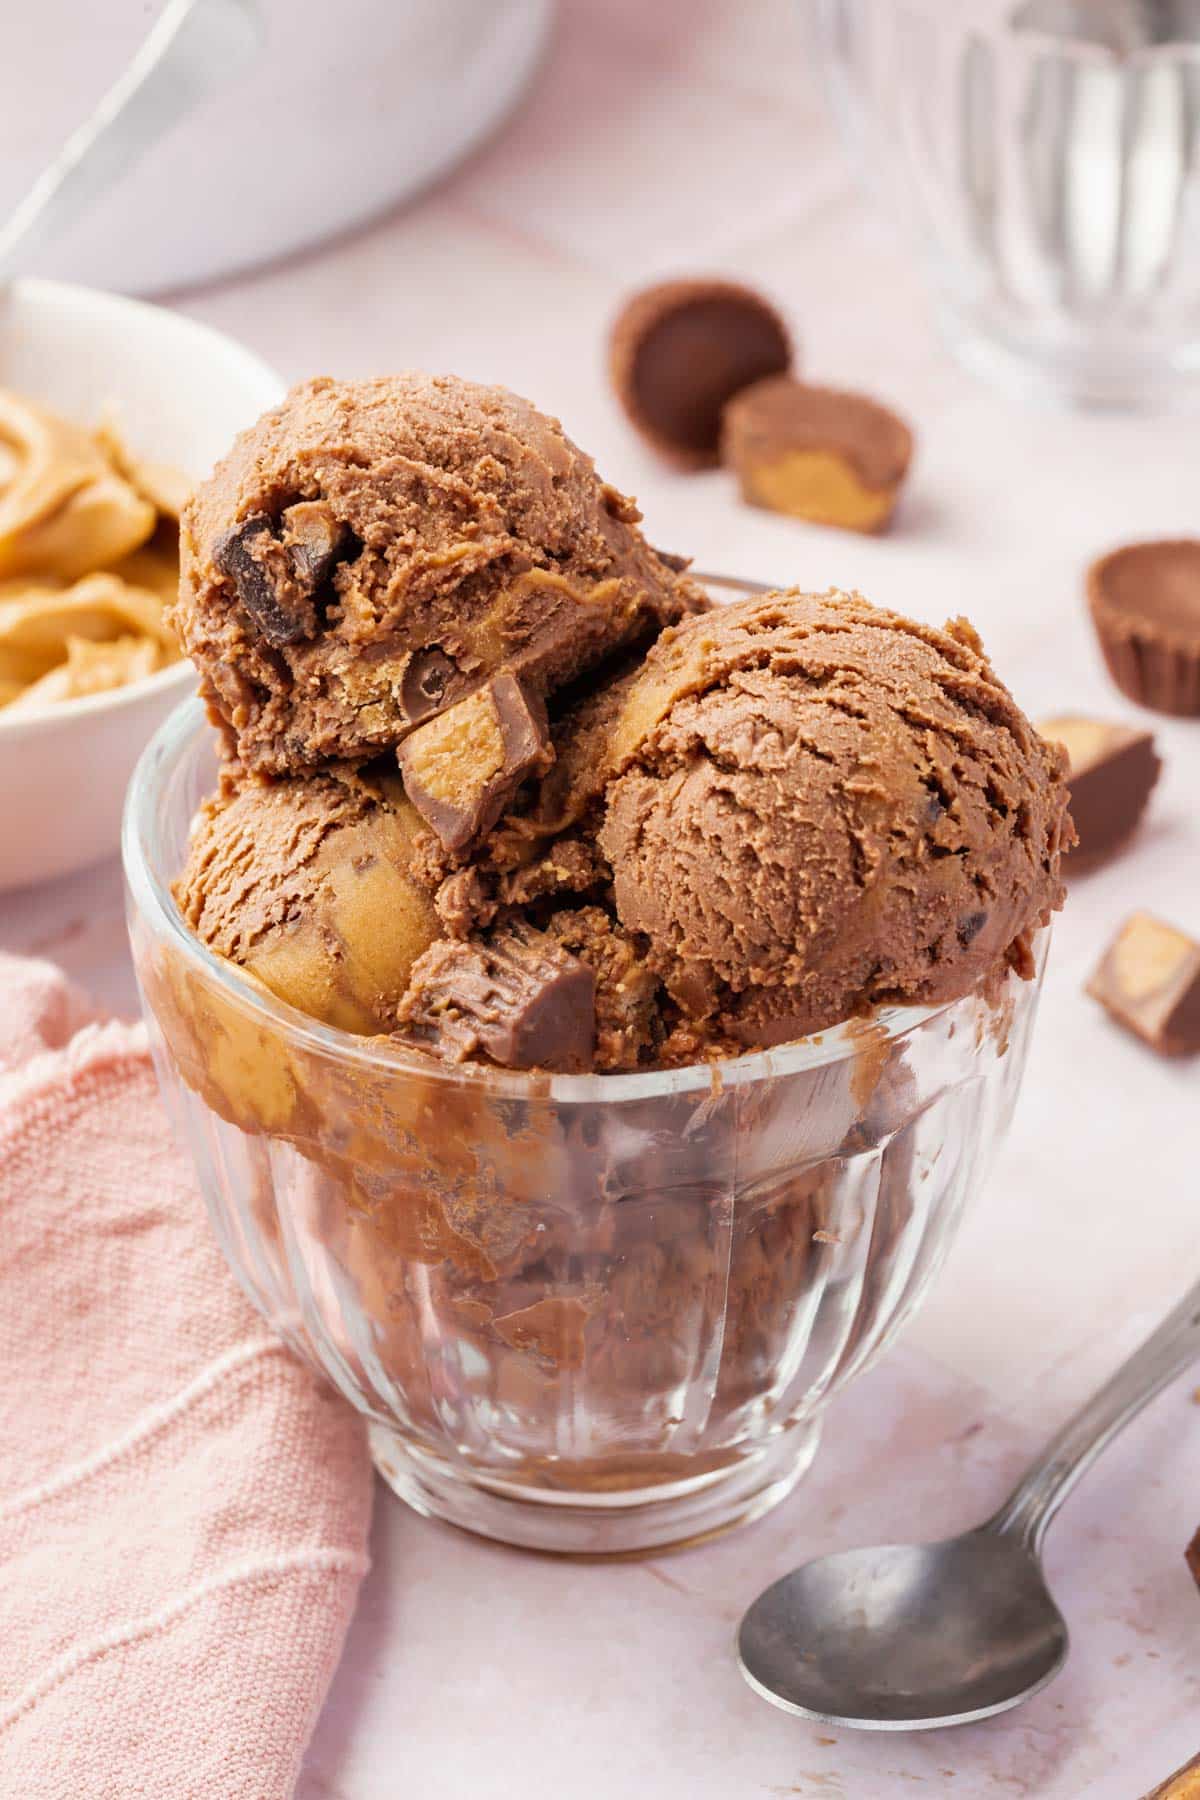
(192, 47)
(906, 1637)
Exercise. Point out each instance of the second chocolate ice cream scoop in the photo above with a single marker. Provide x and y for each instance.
(371, 552)
(817, 806)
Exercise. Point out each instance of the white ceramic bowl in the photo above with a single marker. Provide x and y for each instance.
(179, 392)
(350, 107)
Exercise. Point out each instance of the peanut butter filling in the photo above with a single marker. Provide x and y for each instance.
(88, 559)
(821, 486)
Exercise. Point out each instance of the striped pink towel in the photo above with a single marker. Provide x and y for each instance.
(183, 1507)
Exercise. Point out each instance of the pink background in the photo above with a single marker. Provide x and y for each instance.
(681, 135)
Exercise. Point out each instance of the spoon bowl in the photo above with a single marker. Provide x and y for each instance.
(901, 1637)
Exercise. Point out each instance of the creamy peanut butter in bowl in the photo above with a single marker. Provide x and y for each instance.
(110, 410)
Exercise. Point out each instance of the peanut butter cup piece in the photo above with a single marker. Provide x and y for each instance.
(1145, 605)
(463, 766)
(1149, 981)
(1112, 770)
(279, 569)
(516, 996)
(817, 453)
(679, 351)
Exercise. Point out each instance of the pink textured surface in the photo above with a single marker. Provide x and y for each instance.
(183, 1508)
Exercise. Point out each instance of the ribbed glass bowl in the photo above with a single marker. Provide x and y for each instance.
(1044, 158)
(587, 1314)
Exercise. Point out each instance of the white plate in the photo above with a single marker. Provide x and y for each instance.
(180, 393)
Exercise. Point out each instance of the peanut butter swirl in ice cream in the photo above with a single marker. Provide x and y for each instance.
(88, 559)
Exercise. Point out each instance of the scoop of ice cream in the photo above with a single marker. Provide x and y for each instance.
(370, 552)
(814, 806)
(307, 884)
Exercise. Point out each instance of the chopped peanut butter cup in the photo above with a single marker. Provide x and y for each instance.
(681, 350)
(1145, 605)
(463, 766)
(833, 458)
(1149, 981)
(1112, 771)
(517, 997)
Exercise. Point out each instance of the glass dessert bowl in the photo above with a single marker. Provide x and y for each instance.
(593, 1313)
(1043, 157)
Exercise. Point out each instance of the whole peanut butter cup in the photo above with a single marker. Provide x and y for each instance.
(679, 351)
(1145, 605)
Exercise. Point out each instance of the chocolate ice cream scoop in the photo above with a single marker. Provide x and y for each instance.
(815, 806)
(371, 552)
(307, 884)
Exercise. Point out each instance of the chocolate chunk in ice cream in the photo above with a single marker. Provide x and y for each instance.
(462, 767)
(260, 569)
(1112, 772)
(628, 1003)
(370, 550)
(278, 576)
(431, 680)
(516, 996)
(1148, 980)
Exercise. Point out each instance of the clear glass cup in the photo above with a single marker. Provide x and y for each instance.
(1044, 155)
(588, 1314)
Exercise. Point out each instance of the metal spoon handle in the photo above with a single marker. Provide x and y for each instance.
(1166, 1353)
(191, 48)
(739, 584)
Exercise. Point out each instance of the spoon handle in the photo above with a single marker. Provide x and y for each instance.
(193, 47)
(1166, 1353)
(739, 584)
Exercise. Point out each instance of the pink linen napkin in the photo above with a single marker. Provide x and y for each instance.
(183, 1506)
